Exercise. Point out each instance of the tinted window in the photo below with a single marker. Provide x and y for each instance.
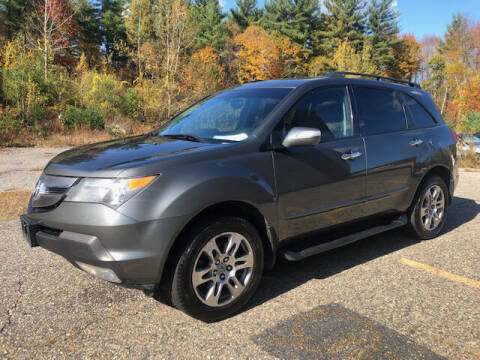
(327, 109)
(231, 115)
(379, 110)
(417, 116)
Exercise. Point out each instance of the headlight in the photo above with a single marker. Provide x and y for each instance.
(112, 192)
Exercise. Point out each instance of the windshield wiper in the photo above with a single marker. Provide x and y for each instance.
(187, 137)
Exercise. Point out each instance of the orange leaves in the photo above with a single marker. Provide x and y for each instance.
(407, 56)
(258, 55)
(469, 96)
(204, 74)
(263, 56)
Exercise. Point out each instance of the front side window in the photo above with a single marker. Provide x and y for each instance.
(229, 116)
(417, 116)
(327, 109)
(379, 110)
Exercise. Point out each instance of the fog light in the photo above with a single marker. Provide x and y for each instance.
(102, 273)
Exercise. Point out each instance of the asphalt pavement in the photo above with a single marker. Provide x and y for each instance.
(385, 297)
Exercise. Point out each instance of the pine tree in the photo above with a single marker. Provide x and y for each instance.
(297, 19)
(345, 21)
(113, 28)
(246, 13)
(88, 38)
(207, 18)
(13, 17)
(457, 44)
(382, 30)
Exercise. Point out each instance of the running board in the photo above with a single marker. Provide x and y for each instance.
(292, 255)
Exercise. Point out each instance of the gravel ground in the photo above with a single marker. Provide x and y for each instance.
(356, 302)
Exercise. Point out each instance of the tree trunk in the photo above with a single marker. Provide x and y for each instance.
(445, 96)
(140, 75)
(45, 40)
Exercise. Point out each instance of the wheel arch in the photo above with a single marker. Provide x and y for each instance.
(241, 209)
(444, 173)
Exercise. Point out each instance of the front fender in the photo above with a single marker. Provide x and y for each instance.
(187, 190)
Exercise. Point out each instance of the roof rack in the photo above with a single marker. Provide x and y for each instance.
(376, 77)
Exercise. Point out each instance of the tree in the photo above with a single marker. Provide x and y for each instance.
(203, 74)
(428, 49)
(207, 18)
(246, 13)
(406, 53)
(13, 17)
(436, 82)
(113, 29)
(173, 38)
(457, 45)
(51, 28)
(345, 21)
(258, 55)
(262, 56)
(347, 58)
(297, 19)
(382, 30)
(88, 38)
(139, 21)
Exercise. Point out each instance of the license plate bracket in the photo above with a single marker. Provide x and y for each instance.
(29, 229)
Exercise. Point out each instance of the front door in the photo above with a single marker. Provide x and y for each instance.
(323, 185)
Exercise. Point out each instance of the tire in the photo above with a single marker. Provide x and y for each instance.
(420, 211)
(234, 273)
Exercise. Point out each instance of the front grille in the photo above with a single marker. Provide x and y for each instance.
(51, 190)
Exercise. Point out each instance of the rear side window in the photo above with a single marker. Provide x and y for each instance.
(327, 109)
(417, 116)
(379, 110)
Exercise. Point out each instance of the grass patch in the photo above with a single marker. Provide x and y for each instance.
(36, 169)
(469, 160)
(13, 203)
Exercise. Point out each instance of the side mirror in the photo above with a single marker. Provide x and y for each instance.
(302, 136)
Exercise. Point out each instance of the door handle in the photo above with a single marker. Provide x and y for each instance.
(351, 155)
(416, 142)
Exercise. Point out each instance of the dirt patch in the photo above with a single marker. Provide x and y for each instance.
(13, 203)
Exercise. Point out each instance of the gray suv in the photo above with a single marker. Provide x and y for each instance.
(198, 208)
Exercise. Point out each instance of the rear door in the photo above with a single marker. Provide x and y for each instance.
(318, 188)
(390, 155)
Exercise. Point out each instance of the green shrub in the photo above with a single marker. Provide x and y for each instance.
(10, 126)
(470, 122)
(115, 131)
(132, 105)
(102, 92)
(77, 117)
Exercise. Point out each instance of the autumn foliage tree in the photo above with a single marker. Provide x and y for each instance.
(406, 53)
(140, 61)
(51, 28)
(203, 74)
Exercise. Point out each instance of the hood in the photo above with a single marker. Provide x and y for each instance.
(110, 158)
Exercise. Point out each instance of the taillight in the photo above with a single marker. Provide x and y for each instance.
(454, 135)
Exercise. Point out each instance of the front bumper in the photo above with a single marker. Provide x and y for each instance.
(103, 242)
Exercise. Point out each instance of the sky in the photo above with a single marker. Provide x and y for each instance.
(421, 17)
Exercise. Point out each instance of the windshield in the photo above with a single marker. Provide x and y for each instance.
(229, 116)
(470, 139)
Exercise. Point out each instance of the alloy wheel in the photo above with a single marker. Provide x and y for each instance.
(432, 207)
(222, 269)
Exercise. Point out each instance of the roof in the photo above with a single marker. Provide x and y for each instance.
(283, 83)
(333, 78)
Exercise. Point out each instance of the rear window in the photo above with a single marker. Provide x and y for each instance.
(417, 116)
(379, 110)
